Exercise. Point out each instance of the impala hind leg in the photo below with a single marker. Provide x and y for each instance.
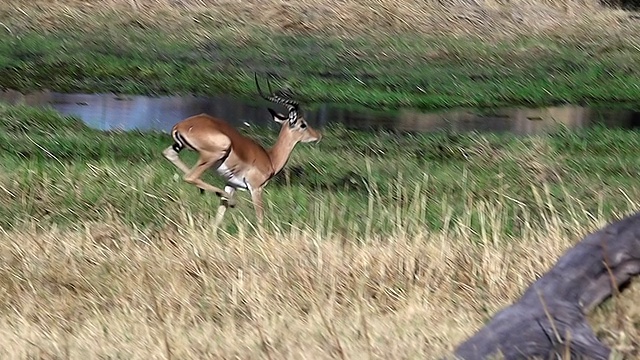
(172, 155)
(205, 162)
(192, 176)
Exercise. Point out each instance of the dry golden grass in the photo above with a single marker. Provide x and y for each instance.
(489, 19)
(112, 291)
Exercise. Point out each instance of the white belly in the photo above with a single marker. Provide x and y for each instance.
(232, 180)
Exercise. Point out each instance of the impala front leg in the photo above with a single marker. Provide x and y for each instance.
(256, 198)
(224, 204)
(228, 201)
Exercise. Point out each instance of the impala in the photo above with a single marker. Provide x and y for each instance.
(242, 162)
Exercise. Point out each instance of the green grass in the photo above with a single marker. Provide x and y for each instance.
(420, 72)
(58, 171)
(434, 55)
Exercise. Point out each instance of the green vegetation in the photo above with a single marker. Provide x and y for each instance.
(69, 50)
(467, 74)
(61, 172)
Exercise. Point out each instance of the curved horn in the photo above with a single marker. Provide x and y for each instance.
(260, 90)
(279, 97)
(285, 99)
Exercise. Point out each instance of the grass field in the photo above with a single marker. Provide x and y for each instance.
(381, 54)
(377, 245)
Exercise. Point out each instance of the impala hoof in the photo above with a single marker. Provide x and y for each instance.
(231, 203)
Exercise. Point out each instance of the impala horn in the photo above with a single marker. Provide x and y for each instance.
(280, 97)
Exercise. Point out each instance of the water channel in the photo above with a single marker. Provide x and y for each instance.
(113, 112)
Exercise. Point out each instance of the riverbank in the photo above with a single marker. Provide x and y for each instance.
(522, 54)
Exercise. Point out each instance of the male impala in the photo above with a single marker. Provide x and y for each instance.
(242, 162)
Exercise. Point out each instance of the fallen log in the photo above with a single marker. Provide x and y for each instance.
(549, 320)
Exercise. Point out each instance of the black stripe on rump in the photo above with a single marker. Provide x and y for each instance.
(180, 142)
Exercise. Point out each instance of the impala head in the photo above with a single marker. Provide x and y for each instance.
(293, 122)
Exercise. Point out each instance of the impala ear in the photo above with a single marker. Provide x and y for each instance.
(279, 118)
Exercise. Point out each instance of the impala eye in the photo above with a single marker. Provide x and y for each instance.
(303, 125)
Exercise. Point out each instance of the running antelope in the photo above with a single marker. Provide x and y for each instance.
(242, 162)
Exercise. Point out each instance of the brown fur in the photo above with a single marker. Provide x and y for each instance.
(244, 162)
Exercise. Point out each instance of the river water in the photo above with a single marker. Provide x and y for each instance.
(113, 112)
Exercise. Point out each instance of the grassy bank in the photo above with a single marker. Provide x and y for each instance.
(63, 172)
(377, 245)
(432, 56)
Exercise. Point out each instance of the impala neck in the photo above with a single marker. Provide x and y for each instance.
(281, 150)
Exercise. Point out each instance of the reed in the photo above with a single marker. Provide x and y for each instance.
(110, 289)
